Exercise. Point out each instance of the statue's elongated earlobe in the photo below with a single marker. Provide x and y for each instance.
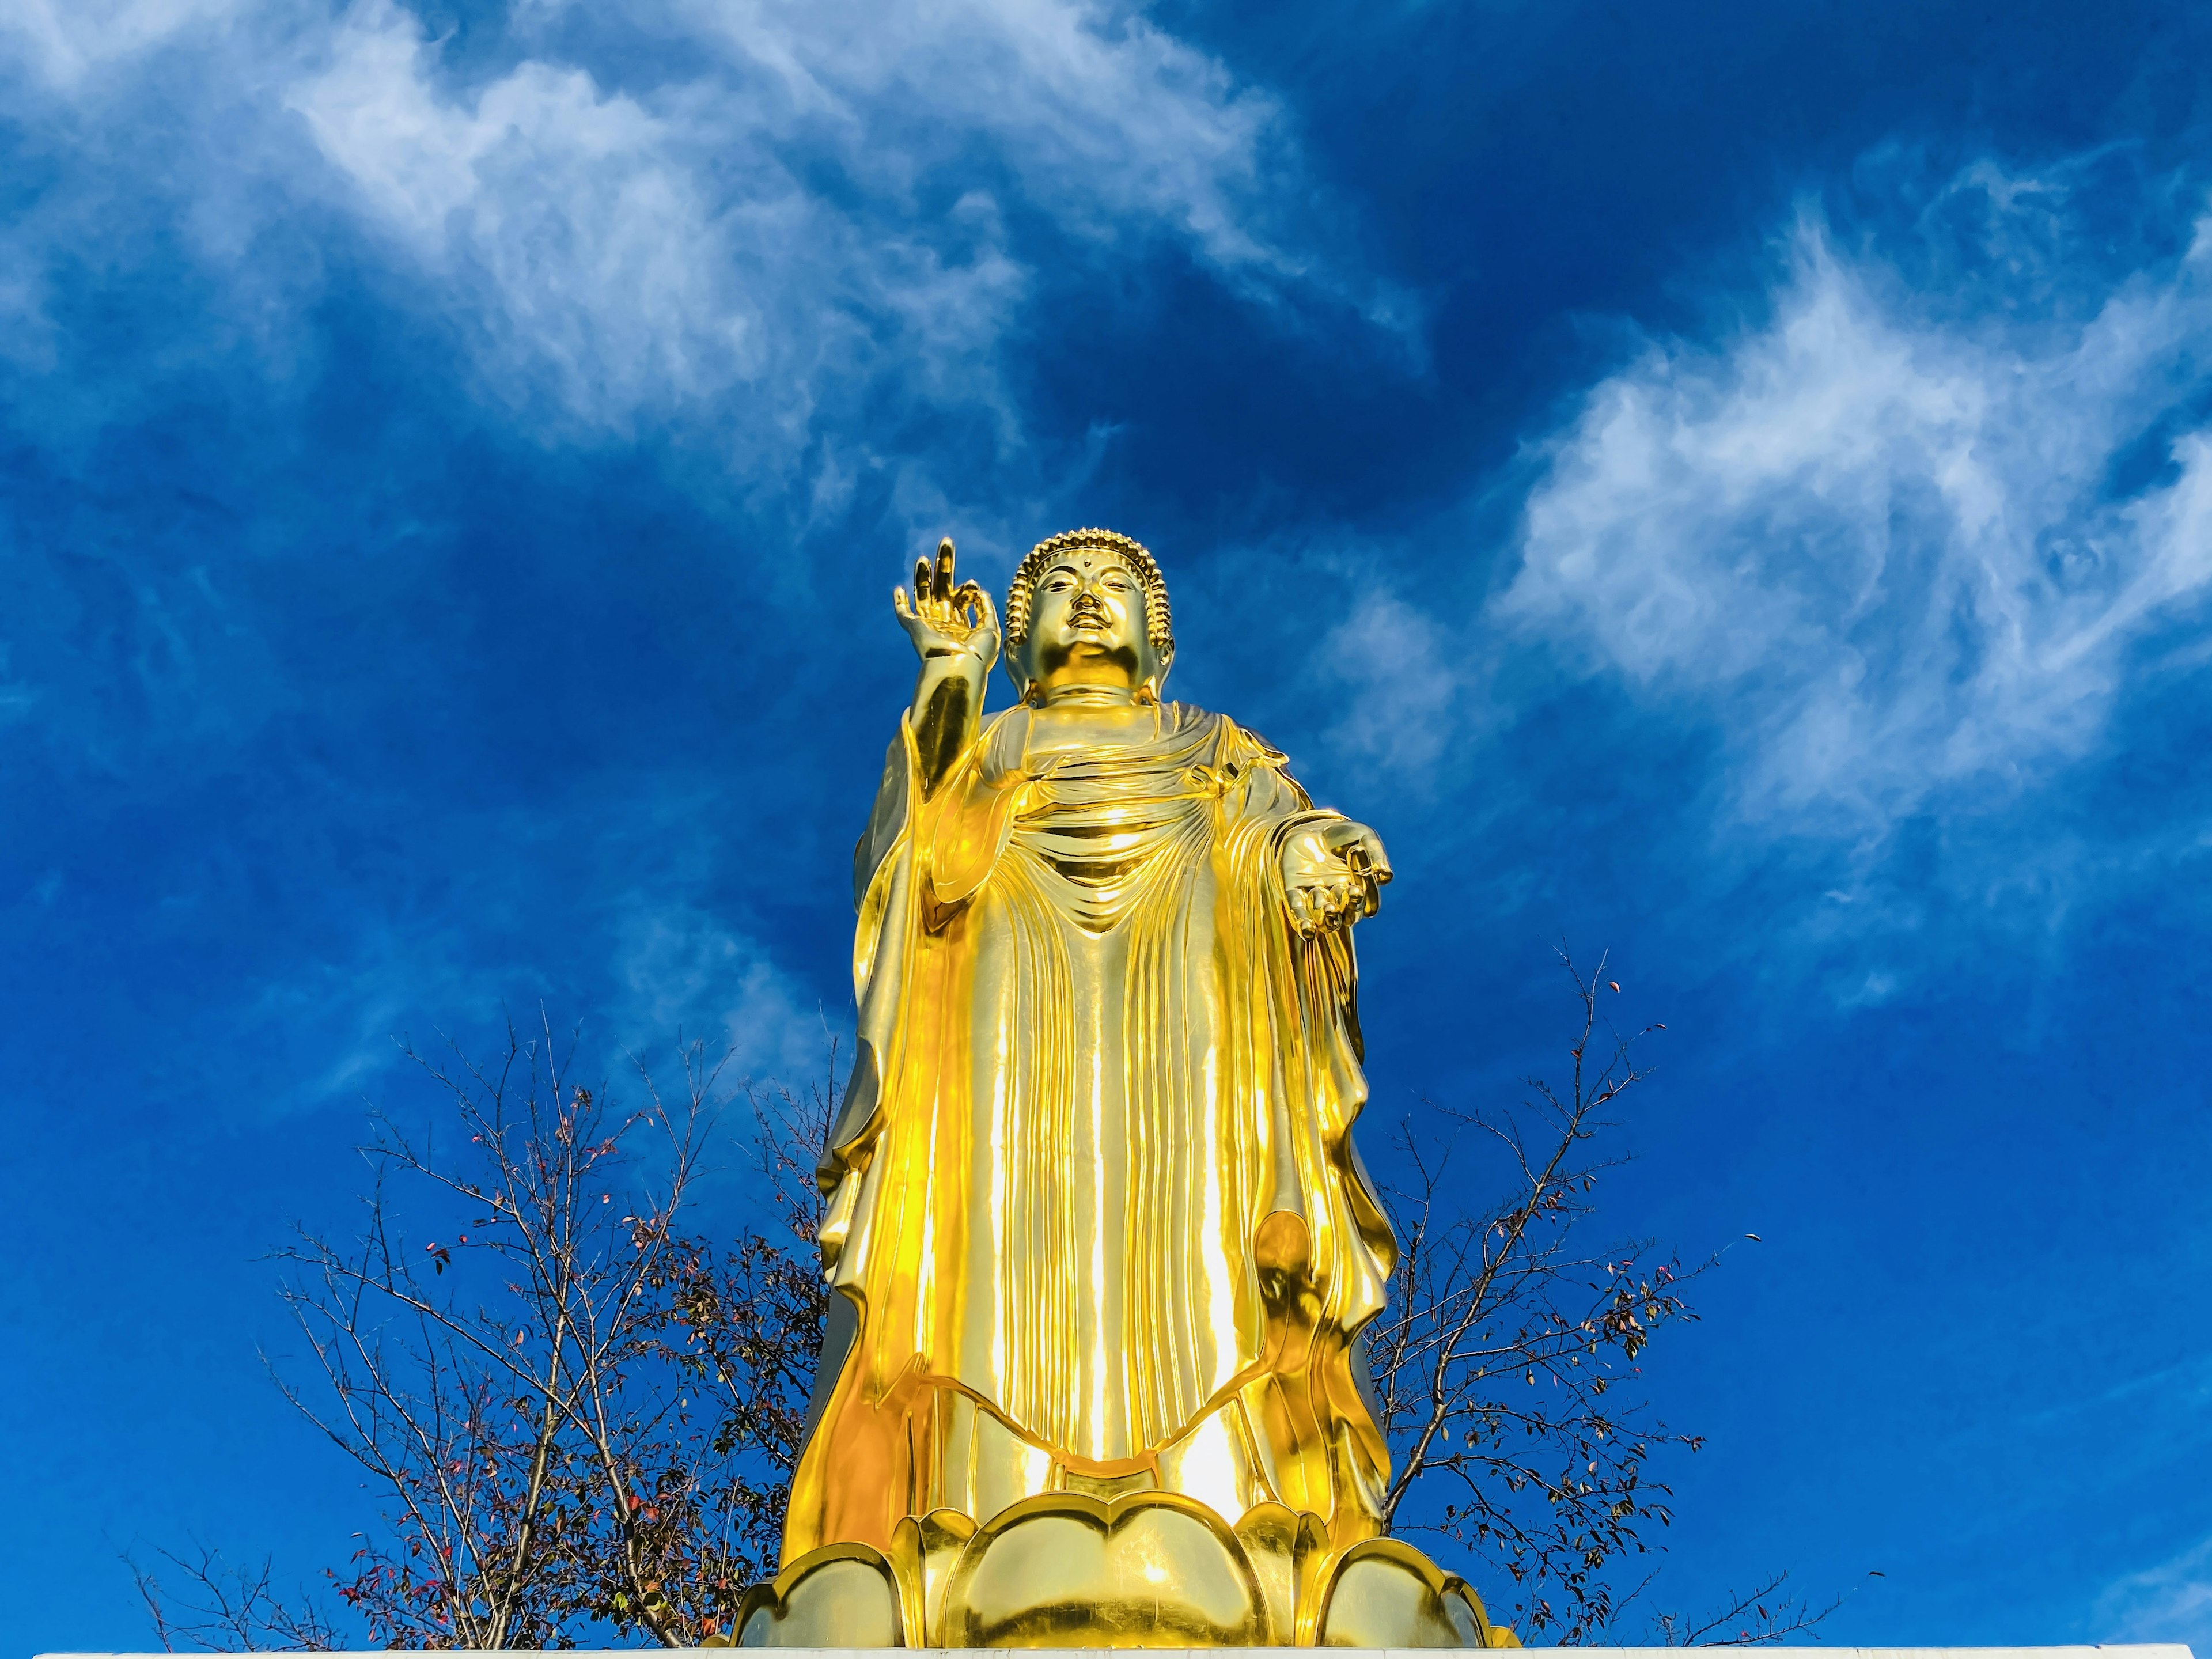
(1015, 657)
(1155, 686)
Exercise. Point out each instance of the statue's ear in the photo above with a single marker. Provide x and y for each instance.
(1155, 663)
(1016, 657)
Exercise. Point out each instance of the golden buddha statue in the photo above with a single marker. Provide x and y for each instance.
(1100, 1245)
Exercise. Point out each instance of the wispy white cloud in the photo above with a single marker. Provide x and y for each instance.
(744, 216)
(1885, 537)
(645, 255)
(2169, 1603)
(66, 39)
(329, 1033)
(1106, 116)
(1399, 668)
(688, 975)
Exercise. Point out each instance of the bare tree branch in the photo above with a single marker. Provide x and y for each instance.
(226, 1609)
(1760, 1617)
(1507, 1335)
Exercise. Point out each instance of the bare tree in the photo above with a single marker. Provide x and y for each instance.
(497, 1412)
(577, 1412)
(1508, 1334)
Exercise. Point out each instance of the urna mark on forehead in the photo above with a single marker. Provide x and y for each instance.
(1089, 560)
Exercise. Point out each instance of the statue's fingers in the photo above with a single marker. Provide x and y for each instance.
(920, 581)
(988, 621)
(1324, 905)
(898, 603)
(1362, 896)
(941, 589)
(1377, 861)
(968, 603)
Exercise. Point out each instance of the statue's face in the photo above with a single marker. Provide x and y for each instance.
(1087, 624)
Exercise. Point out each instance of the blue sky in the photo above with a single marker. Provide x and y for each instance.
(1731, 483)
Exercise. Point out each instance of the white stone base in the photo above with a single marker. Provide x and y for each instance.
(2128, 1650)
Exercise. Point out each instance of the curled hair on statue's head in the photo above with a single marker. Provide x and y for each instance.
(1159, 622)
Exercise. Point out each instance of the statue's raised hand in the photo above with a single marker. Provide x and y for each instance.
(1333, 874)
(945, 621)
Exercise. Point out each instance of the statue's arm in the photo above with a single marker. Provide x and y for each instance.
(947, 713)
(1332, 870)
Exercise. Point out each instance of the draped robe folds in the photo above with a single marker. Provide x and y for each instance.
(1094, 1218)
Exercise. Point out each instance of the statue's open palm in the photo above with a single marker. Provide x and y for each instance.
(944, 620)
(1333, 874)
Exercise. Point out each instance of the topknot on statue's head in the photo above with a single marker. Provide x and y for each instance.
(1159, 623)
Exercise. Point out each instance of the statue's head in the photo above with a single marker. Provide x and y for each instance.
(1088, 607)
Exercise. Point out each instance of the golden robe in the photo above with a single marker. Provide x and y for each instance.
(1096, 1221)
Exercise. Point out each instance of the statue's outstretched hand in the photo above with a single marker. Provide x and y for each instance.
(1333, 874)
(943, 620)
